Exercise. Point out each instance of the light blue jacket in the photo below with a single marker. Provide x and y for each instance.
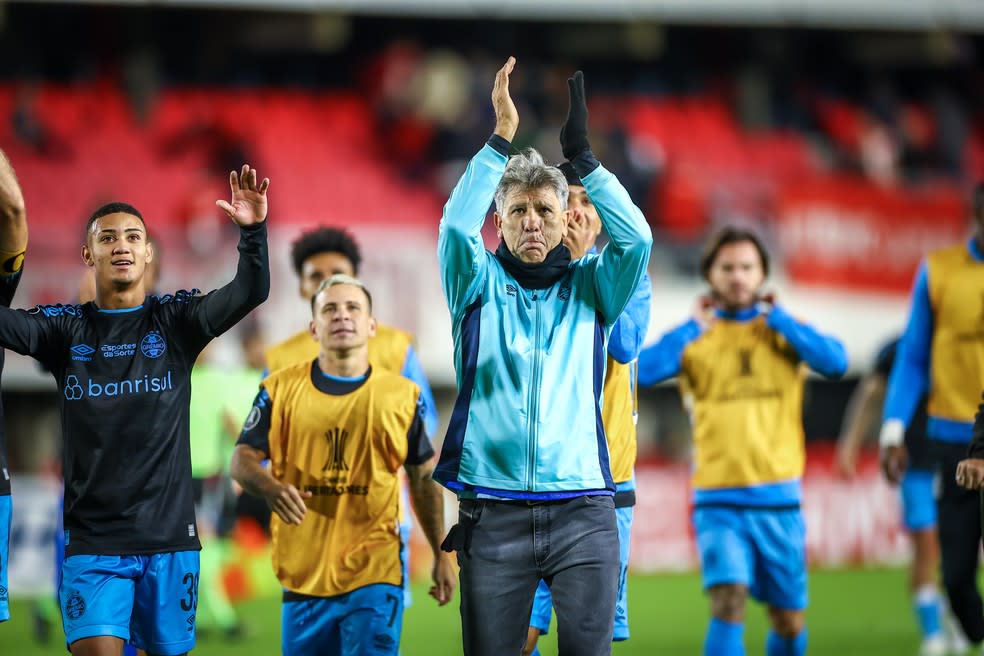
(530, 364)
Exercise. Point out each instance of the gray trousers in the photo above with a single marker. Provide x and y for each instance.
(570, 544)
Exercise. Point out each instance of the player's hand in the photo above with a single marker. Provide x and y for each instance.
(580, 235)
(766, 302)
(288, 503)
(506, 116)
(574, 132)
(249, 200)
(445, 579)
(894, 460)
(970, 473)
(845, 463)
(704, 311)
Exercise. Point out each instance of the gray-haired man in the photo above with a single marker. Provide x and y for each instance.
(526, 450)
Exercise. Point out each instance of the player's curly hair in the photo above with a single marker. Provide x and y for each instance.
(731, 235)
(115, 207)
(325, 240)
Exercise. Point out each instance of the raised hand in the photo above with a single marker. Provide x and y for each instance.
(506, 116)
(249, 201)
(580, 235)
(574, 132)
(704, 311)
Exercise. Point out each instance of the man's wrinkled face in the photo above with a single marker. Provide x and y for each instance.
(533, 223)
(321, 266)
(736, 275)
(117, 249)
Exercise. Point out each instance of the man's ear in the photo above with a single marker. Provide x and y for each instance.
(498, 224)
(150, 252)
(87, 256)
(566, 219)
(314, 333)
(372, 326)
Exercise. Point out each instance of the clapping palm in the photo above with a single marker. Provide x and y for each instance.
(249, 201)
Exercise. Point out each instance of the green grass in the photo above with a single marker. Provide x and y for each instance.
(852, 613)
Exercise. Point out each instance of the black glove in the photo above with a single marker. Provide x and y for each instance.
(574, 132)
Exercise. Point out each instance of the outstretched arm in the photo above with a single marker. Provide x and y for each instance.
(622, 263)
(863, 412)
(428, 505)
(910, 374)
(664, 359)
(223, 308)
(824, 354)
(460, 249)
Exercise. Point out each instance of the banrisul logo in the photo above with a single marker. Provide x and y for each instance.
(153, 345)
(82, 352)
(76, 389)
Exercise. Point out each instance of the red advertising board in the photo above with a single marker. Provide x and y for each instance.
(850, 233)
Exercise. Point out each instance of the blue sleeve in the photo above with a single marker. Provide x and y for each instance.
(625, 342)
(824, 354)
(664, 359)
(910, 375)
(616, 272)
(413, 370)
(460, 249)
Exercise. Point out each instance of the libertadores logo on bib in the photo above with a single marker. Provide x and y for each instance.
(153, 345)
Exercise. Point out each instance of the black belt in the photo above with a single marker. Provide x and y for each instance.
(625, 499)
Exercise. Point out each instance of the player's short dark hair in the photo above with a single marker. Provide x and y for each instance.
(115, 207)
(731, 235)
(325, 240)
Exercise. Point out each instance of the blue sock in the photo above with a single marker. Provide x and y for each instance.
(776, 645)
(724, 639)
(928, 611)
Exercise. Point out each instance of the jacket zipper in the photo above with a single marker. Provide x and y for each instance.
(534, 395)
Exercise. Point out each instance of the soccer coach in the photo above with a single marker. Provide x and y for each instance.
(525, 450)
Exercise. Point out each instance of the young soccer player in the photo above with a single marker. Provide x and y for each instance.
(336, 432)
(941, 355)
(123, 364)
(740, 364)
(316, 256)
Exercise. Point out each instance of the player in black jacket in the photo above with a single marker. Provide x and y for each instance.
(123, 364)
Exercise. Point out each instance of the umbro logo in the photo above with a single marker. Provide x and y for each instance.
(564, 293)
(510, 290)
(82, 352)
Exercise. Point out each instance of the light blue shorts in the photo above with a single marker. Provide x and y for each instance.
(149, 601)
(918, 499)
(762, 549)
(364, 622)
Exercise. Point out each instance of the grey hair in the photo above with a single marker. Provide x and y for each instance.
(527, 171)
(341, 279)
